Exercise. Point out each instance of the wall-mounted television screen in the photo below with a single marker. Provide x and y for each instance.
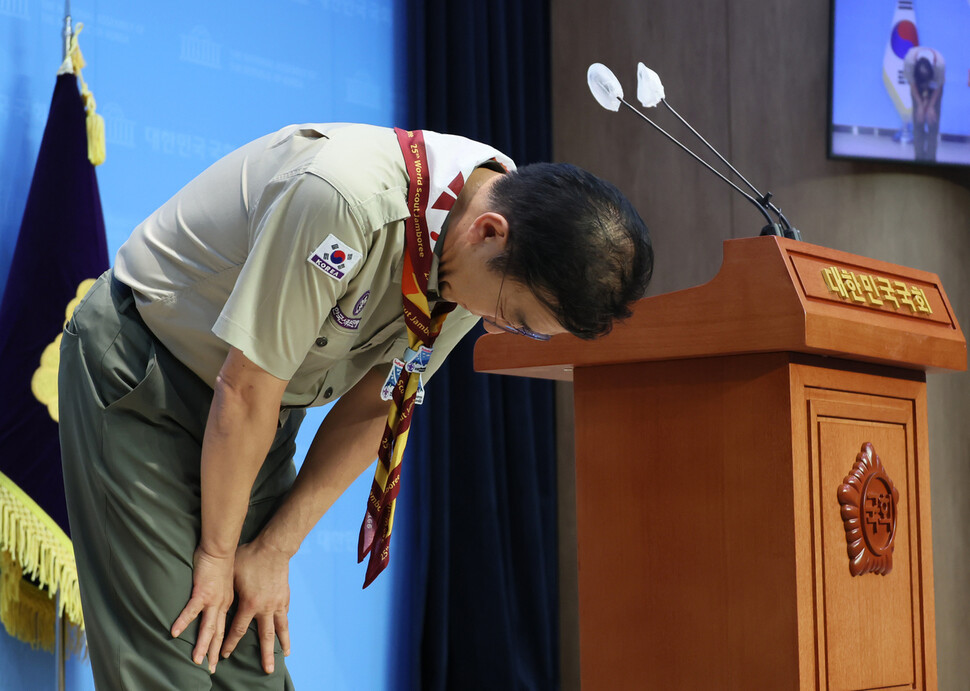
(900, 81)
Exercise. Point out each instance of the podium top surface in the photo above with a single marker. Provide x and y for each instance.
(770, 295)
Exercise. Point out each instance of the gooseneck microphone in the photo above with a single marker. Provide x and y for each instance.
(608, 92)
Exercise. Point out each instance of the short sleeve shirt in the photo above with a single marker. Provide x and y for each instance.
(291, 250)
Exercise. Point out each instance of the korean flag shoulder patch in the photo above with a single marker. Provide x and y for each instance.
(334, 257)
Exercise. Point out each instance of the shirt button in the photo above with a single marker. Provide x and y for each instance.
(328, 393)
(322, 341)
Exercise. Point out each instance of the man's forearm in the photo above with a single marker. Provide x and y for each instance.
(344, 446)
(238, 435)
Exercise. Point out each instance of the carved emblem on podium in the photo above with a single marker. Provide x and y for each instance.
(868, 498)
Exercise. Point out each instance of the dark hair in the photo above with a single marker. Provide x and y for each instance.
(923, 71)
(576, 242)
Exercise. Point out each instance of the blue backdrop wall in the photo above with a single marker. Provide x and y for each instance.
(180, 84)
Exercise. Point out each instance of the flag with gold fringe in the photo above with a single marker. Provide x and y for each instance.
(60, 249)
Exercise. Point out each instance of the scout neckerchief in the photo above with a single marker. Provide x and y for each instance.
(403, 387)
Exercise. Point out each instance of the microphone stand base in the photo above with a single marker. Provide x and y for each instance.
(777, 229)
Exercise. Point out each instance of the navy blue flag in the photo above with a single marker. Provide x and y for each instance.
(60, 247)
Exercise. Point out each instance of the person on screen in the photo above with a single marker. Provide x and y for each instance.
(274, 281)
(925, 71)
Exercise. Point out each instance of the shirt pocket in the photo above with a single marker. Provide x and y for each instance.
(341, 356)
(384, 336)
(332, 344)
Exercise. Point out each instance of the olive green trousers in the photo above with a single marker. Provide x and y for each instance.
(132, 418)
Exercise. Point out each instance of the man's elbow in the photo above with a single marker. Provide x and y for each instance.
(245, 388)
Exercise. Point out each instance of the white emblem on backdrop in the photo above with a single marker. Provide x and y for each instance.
(199, 48)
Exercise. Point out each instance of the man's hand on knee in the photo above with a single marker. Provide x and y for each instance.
(262, 582)
(211, 596)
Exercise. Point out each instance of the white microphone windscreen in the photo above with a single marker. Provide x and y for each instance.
(604, 86)
(650, 91)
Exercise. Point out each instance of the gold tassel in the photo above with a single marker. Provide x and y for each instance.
(93, 121)
(33, 546)
(26, 611)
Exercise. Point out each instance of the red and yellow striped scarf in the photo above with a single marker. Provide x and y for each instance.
(423, 325)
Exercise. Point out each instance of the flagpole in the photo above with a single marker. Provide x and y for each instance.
(68, 31)
(59, 644)
(60, 677)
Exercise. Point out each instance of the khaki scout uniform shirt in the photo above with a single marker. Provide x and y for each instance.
(936, 61)
(225, 261)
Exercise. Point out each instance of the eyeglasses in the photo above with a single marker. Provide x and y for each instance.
(521, 331)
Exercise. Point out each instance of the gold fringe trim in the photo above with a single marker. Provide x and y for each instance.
(29, 616)
(25, 610)
(93, 121)
(34, 547)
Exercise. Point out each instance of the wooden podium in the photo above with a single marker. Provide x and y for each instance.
(752, 475)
